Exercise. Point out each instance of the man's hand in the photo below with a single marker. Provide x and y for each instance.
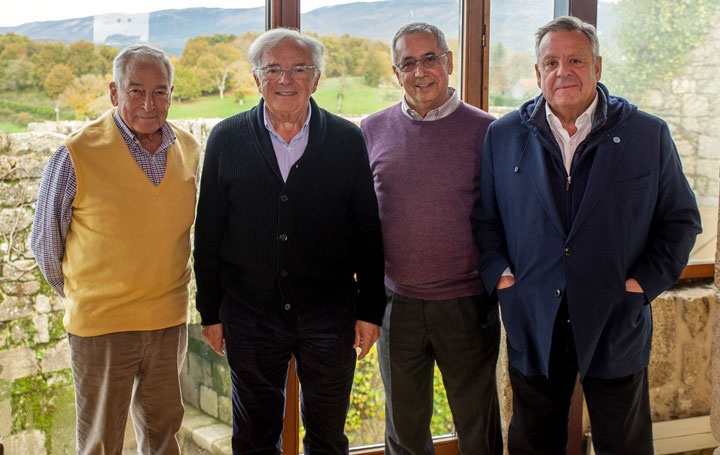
(505, 281)
(366, 334)
(213, 335)
(631, 285)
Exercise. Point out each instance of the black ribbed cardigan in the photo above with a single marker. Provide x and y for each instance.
(287, 248)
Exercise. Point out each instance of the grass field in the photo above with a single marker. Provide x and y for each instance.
(357, 99)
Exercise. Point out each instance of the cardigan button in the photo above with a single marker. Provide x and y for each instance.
(558, 292)
(283, 198)
(567, 251)
(283, 274)
(283, 237)
(287, 307)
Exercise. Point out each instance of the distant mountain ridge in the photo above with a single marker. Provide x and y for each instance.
(513, 22)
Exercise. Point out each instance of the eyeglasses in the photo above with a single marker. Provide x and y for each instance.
(296, 72)
(411, 64)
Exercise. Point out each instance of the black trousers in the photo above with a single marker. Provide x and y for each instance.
(462, 336)
(258, 349)
(619, 408)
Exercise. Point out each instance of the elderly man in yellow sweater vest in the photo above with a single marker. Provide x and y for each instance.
(112, 236)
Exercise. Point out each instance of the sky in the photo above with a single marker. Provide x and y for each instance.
(44, 10)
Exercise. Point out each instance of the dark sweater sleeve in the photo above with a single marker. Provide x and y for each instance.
(210, 226)
(370, 263)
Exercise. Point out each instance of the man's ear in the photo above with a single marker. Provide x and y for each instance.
(113, 93)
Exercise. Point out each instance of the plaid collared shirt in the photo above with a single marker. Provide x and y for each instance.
(57, 192)
(447, 108)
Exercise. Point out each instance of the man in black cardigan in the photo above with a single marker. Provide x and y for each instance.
(288, 251)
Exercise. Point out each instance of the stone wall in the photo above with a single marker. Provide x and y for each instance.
(36, 394)
(690, 105)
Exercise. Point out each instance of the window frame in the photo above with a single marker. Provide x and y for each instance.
(474, 89)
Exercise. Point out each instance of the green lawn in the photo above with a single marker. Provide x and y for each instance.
(12, 128)
(357, 99)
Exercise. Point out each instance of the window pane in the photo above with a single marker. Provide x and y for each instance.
(358, 80)
(662, 56)
(60, 70)
(512, 52)
(358, 77)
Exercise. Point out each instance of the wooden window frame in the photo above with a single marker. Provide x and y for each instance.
(474, 89)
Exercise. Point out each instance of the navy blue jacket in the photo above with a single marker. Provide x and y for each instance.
(628, 213)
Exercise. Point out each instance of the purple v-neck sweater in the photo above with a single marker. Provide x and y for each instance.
(426, 178)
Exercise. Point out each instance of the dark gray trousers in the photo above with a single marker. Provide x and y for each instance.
(462, 336)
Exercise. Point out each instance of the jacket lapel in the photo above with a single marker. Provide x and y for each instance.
(536, 165)
(262, 139)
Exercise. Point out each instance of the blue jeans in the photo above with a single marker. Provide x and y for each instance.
(258, 349)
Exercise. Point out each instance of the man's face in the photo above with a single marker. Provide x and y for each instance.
(143, 96)
(288, 94)
(566, 73)
(425, 88)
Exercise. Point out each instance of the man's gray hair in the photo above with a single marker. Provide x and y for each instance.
(418, 27)
(273, 37)
(568, 24)
(141, 52)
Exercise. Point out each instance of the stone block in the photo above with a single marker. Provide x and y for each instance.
(223, 383)
(205, 437)
(17, 363)
(208, 401)
(692, 363)
(14, 220)
(35, 143)
(25, 443)
(27, 167)
(57, 357)
(12, 308)
(708, 168)
(696, 312)
(709, 147)
(42, 334)
(715, 409)
(21, 270)
(20, 288)
(225, 409)
(24, 192)
(693, 105)
(190, 390)
(6, 421)
(42, 304)
(662, 366)
(63, 128)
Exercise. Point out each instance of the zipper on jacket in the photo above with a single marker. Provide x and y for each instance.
(569, 181)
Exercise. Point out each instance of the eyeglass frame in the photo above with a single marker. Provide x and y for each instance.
(419, 61)
(289, 71)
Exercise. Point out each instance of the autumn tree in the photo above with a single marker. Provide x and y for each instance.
(44, 60)
(88, 96)
(58, 79)
(186, 84)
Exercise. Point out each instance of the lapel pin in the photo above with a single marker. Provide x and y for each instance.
(516, 170)
(616, 140)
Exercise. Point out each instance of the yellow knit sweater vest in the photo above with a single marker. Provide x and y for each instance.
(126, 264)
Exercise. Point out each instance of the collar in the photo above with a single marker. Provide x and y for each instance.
(271, 128)
(168, 135)
(585, 118)
(447, 108)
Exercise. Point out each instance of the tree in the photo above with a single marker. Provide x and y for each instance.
(15, 75)
(88, 96)
(243, 81)
(80, 57)
(654, 38)
(376, 67)
(58, 79)
(186, 84)
(47, 56)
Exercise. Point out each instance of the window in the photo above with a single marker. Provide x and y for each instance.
(661, 58)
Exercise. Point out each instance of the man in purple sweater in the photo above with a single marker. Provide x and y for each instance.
(425, 157)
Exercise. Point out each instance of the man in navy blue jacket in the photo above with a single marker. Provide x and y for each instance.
(584, 217)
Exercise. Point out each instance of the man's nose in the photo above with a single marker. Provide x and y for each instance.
(285, 77)
(148, 102)
(419, 69)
